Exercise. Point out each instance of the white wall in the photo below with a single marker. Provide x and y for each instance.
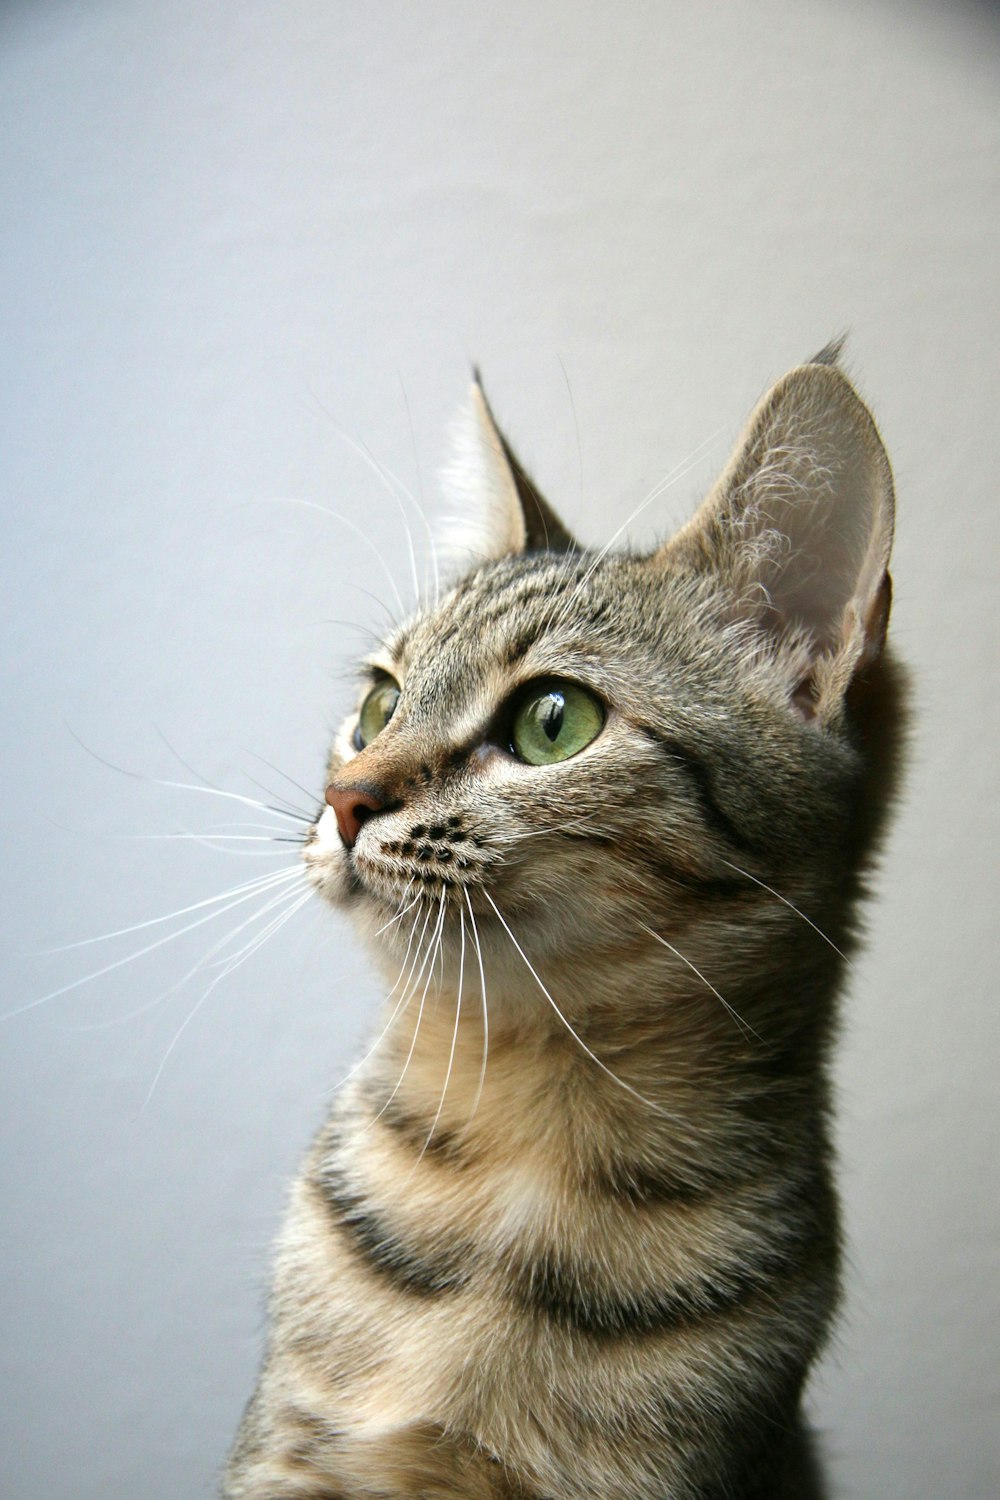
(230, 233)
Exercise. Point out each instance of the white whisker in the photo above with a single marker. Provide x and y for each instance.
(401, 912)
(75, 984)
(285, 804)
(399, 1003)
(215, 837)
(325, 510)
(576, 1037)
(744, 1026)
(311, 795)
(416, 503)
(260, 882)
(432, 948)
(677, 473)
(486, 1018)
(791, 907)
(282, 898)
(183, 786)
(271, 928)
(388, 479)
(454, 1041)
(214, 791)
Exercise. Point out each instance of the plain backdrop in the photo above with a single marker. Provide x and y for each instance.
(249, 252)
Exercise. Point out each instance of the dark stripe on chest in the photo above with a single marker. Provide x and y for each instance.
(582, 1302)
(644, 1187)
(421, 1135)
(422, 1270)
(701, 782)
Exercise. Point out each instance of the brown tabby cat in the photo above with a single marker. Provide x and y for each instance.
(569, 1233)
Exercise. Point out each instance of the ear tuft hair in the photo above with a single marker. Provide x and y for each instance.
(497, 510)
(831, 352)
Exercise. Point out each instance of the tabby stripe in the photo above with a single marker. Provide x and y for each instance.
(721, 887)
(518, 647)
(417, 1133)
(700, 779)
(636, 1185)
(553, 1290)
(423, 1272)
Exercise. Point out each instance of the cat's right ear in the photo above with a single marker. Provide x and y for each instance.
(496, 509)
(799, 528)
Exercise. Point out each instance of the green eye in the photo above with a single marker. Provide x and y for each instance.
(376, 711)
(553, 721)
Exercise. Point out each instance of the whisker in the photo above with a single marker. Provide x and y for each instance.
(673, 476)
(791, 907)
(219, 843)
(486, 1020)
(393, 484)
(417, 503)
(383, 473)
(200, 777)
(285, 804)
(272, 927)
(378, 1040)
(744, 1026)
(182, 786)
(325, 510)
(432, 949)
(150, 947)
(574, 823)
(283, 897)
(259, 882)
(216, 837)
(391, 620)
(576, 1037)
(401, 912)
(454, 1042)
(284, 774)
(576, 424)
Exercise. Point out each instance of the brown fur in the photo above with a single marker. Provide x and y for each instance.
(601, 1265)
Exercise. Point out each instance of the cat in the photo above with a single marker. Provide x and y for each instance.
(604, 819)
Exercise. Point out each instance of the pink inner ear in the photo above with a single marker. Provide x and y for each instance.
(803, 698)
(811, 495)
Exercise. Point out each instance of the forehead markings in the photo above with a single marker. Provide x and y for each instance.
(490, 596)
(527, 598)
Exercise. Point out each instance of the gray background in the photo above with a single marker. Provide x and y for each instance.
(235, 233)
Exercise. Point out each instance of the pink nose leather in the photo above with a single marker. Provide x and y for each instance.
(352, 805)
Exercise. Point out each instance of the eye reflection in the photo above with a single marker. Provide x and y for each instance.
(553, 721)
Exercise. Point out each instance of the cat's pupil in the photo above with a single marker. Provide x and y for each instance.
(552, 715)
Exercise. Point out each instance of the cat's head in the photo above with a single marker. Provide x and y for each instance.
(585, 744)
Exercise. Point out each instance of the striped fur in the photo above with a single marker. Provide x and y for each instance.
(600, 1265)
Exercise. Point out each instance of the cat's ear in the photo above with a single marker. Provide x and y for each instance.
(496, 509)
(799, 528)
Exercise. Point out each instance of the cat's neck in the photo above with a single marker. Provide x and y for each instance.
(621, 1064)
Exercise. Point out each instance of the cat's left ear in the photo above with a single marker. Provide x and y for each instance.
(497, 511)
(799, 529)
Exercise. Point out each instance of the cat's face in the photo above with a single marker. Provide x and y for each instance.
(673, 755)
(582, 746)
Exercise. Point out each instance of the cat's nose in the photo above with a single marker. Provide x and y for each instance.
(353, 805)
